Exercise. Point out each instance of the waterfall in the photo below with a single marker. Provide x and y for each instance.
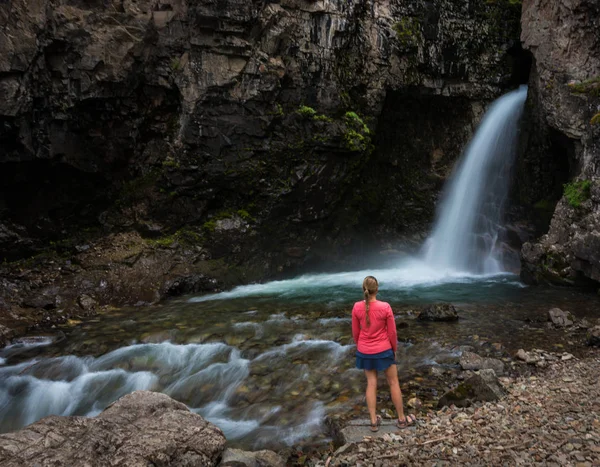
(469, 218)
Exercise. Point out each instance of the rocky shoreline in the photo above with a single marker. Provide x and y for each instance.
(535, 408)
(548, 418)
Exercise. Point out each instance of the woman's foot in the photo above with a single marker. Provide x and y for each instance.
(408, 420)
(375, 426)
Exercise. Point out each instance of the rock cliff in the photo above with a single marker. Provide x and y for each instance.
(562, 159)
(261, 134)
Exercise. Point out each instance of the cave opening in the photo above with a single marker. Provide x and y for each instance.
(44, 201)
(520, 62)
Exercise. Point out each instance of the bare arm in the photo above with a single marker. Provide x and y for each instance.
(355, 326)
(391, 329)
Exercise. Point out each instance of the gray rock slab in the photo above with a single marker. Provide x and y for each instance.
(356, 430)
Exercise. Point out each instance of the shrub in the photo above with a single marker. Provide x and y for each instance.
(577, 192)
(306, 111)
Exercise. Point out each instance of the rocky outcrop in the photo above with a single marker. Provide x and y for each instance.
(564, 148)
(141, 428)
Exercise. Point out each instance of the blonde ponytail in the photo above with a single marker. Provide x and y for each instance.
(370, 287)
(367, 307)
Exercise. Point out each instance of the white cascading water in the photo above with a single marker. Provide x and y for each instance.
(469, 219)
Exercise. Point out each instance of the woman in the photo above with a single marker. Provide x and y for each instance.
(374, 331)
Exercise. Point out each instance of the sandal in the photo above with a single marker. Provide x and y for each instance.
(375, 426)
(409, 420)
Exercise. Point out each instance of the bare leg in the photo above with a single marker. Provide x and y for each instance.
(391, 374)
(372, 394)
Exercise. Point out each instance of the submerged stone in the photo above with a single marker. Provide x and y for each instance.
(439, 312)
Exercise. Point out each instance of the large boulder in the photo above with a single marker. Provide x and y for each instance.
(472, 361)
(482, 386)
(439, 312)
(560, 318)
(142, 428)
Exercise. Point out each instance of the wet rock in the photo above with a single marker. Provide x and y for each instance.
(483, 386)
(5, 335)
(239, 458)
(593, 336)
(86, 303)
(40, 300)
(560, 318)
(142, 428)
(472, 361)
(439, 312)
(193, 283)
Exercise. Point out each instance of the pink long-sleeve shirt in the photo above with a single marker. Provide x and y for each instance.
(381, 334)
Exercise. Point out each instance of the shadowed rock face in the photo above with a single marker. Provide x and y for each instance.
(564, 98)
(141, 428)
(151, 115)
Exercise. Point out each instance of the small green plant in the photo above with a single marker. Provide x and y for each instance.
(176, 64)
(577, 192)
(357, 135)
(595, 119)
(306, 111)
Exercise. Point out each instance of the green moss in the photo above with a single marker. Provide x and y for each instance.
(407, 31)
(577, 192)
(210, 225)
(306, 111)
(176, 64)
(590, 87)
(183, 236)
(595, 119)
(323, 118)
(169, 162)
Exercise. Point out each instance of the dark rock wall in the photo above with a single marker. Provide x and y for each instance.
(563, 142)
(158, 114)
(148, 146)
